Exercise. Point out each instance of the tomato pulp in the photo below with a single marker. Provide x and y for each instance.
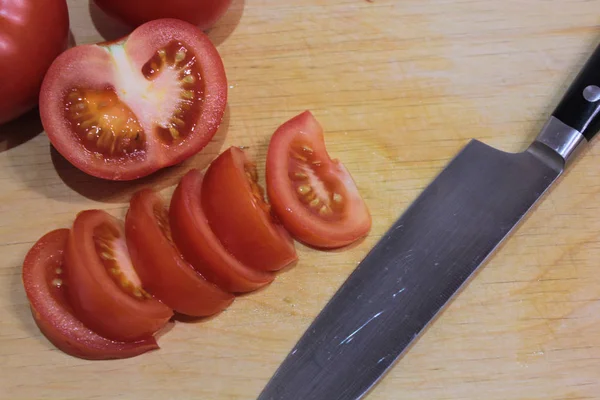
(125, 109)
(314, 196)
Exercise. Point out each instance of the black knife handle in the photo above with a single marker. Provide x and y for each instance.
(580, 107)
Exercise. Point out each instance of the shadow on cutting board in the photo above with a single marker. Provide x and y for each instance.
(108, 27)
(111, 29)
(121, 191)
(227, 24)
(20, 130)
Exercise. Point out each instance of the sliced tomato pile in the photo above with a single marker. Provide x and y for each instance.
(44, 278)
(161, 266)
(122, 110)
(103, 288)
(201, 246)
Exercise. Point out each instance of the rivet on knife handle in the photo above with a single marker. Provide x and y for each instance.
(577, 117)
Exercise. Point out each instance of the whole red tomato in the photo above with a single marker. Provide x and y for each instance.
(203, 13)
(32, 34)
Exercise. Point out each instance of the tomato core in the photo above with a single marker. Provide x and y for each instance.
(177, 62)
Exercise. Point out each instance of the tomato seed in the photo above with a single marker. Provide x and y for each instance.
(188, 94)
(304, 189)
(189, 79)
(180, 55)
(300, 175)
(178, 121)
(298, 156)
(325, 210)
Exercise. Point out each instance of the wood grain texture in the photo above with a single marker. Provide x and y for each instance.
(399, 86)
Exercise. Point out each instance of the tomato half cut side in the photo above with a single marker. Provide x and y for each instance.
(199, 245)
(234, 204)
(314, 196)
(160, 265)
(45, 282)
(104, 290)
(122, 110)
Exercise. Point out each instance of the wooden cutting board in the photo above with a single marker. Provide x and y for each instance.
(399, 86)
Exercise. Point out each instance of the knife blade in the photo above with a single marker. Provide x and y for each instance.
(430, 253)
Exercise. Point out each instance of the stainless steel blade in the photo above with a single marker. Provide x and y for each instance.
(419, 264)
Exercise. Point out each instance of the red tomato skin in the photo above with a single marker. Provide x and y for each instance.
(32, 34)
(305, 226)
(244, 228)
(90, 66)
(96, 299)
(199, 245)
(54, 317)
(161, 267)
(202, 13)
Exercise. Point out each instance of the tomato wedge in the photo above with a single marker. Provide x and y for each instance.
(314, 196)
(44, 281)
(104, 289)
(122, 110)
(199, 245)
(160, 265)
(234, 205)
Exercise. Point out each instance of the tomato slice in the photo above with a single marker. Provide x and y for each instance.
(314, 196)
(160, 265)
(200, 246)
(234, 205)
(44, 279)
(104, 289)
(122, 110)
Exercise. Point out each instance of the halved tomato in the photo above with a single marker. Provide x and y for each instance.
(314, 196)
(160, 265)
(44, 279)
(199, 245)
(236, 210)
(104, 290)
(122, 110)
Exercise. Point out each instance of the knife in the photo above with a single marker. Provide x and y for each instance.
(430, 252)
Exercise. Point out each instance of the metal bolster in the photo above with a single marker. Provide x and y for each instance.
(563, 139)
